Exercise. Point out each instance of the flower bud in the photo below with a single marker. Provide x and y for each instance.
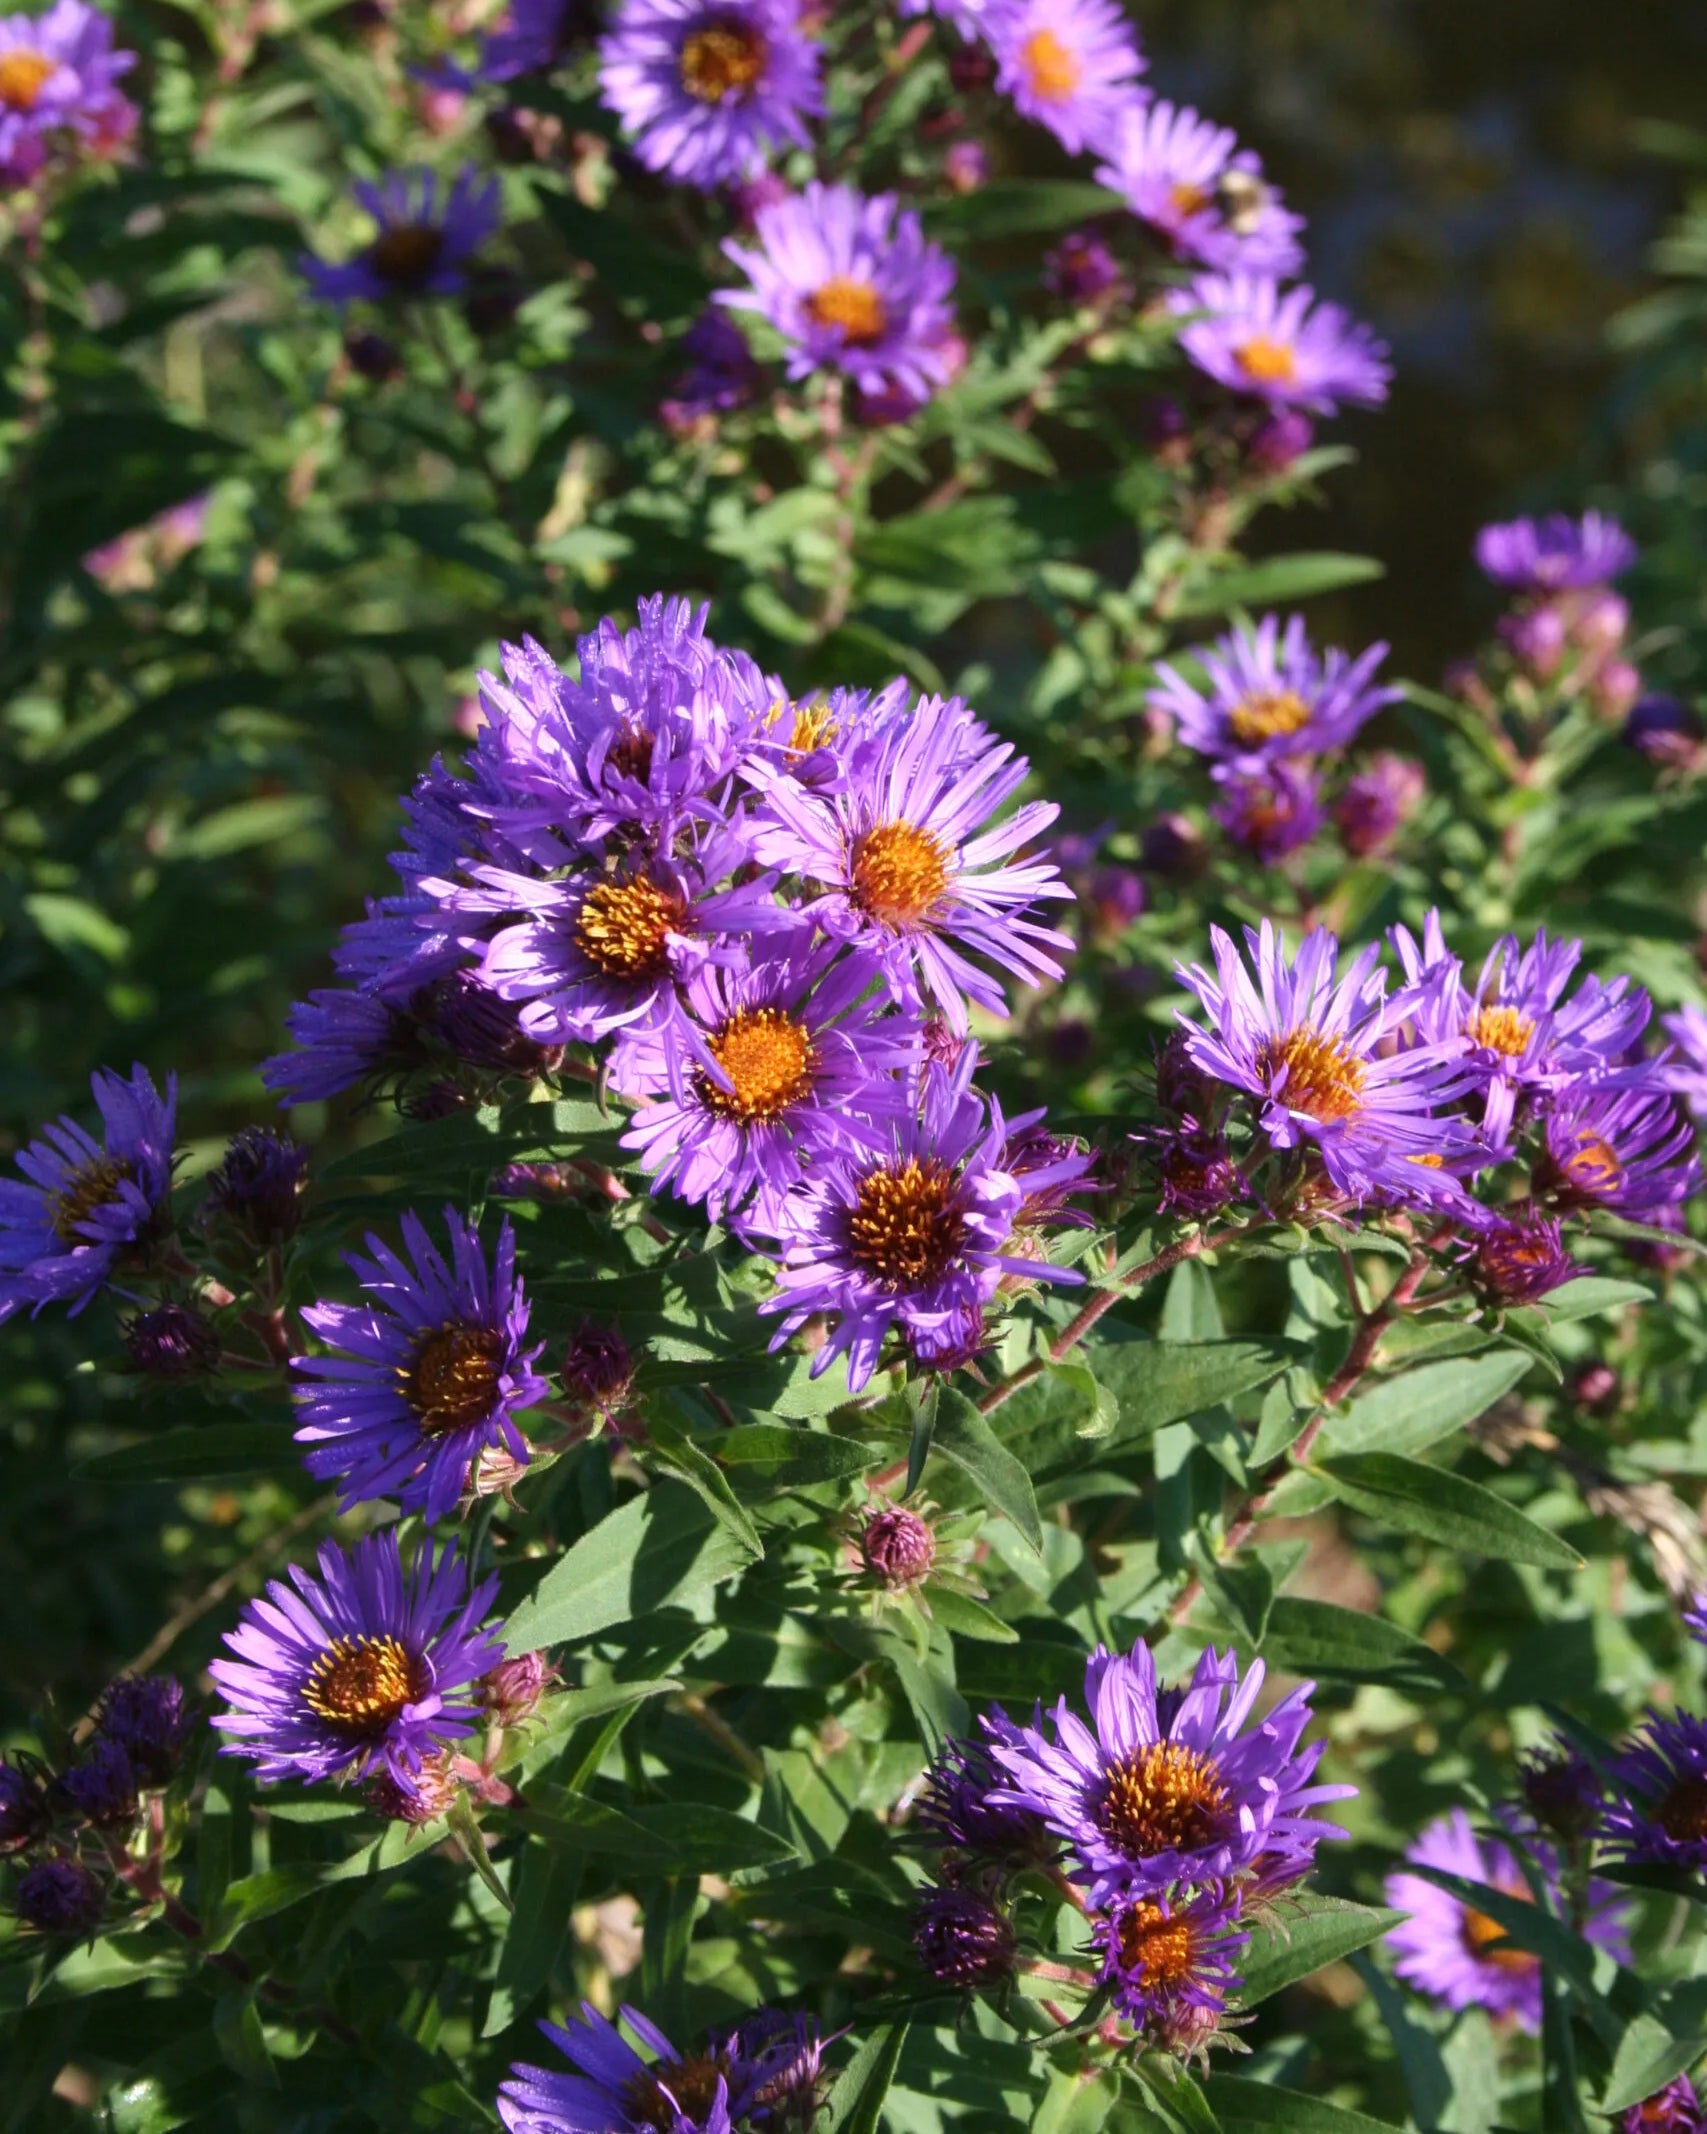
(598, 1370)
(1376, 803)
(1666, 731)
(257, 1189)
(961, 1939)
(1536, 638)
(372, 356)
(966, 166)
(1615, 689)
(1173, 848)
(1603, 623)
(24, 1816)
(59, 1896)
(510, 1692)
(897, 1547)
(146, 1715)
(1280, 441)
(1080, 269)
(172, 1342)
(1595, 1388)
(103, 1789)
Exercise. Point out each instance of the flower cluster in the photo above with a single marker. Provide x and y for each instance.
(1563, 637)
(59, 94)
(1177, 1817)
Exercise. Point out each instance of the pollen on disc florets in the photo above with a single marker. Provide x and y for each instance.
(899, 872)
(92, 1187)
(722, 59)
(1268, 715)
(768, 1058)
(855, 305)
(1504, 1030)
(1266, 361)
(1324, 1078)
(361, 1684)
(451, 1381)
(624, 928)
(905, 1227)
(1164, 1798)
(1051, 68)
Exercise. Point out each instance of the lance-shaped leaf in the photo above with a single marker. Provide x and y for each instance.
(1443, 1507)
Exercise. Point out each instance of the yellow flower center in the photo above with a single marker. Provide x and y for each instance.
(691, 2083)
(853, 305)
(1502, 1030)
(1267, 362)
(1683, 1812)
(813, 728)
(23, 76)
(1156, 1950)
(1593, 1165)
(407, 254)
(768, 1057)
(1268, 714)
(1486, 1940)
(360, 1684)
(624, 928)
(1324, 1078)
(453, 1379)
(1051, 69)
(93, 1187)
(1188, 199)
(898, 873)
(1164, 1798)
(904, 1226)
(722, 60)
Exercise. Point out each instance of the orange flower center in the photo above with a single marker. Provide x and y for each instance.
(407, 254)
(899, 871)
(1683, 1812)
(93, 1187)
(1324, 1078)
(1502, 1030)
(1164, 1798)
(1267, 714)
(23, 76)
(722, 60)
(691, 2083)
(853, 305)
(1267, 362)
(768, 1057)
(624, 928)
(1051, 69)
(360, 1684)
(904, 1226)
(1486, 1939)
(453, 1379)
(1593, 1164)
(813, 728)
(1156, 1950)
(1188, 199)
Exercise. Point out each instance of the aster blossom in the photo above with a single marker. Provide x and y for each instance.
(1655, 1808)
(63, 1232)
(1203, 195)
(365, 1669)
(1162, 1789)
(911, 865)
(851, 284)
(59, 74)
(1167, 1958)
(1625, 1146)
(1283, 347)
(1267, 694)
(709, 91)
(1686, 1069)
(430, 1373)
(616, 2090)
(1674, 2110)
(1269, 813)
(427, 234)
(1070, 65)
(1555, 554)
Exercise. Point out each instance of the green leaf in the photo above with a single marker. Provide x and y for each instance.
(924, 1430)
(1315, 1931)
(675, 1449)
(1311, 1637)
(1411, 1412)
(659, 1550)
(1589, 1294)
(1242, 2103)
(1649, 2055)
(241, 2040)
(544, 1882)
(1443, 1507)
(1015, 206)
(855, 2105)
(963, 1436)
(215, 1452)
(799, 1457)
(1161, 1382)
(685, 1837)
(970, 1618)
(1281, 578)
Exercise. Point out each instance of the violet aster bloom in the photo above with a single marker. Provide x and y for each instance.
(102, 1788)
(1561, 1791)
(1459, 1956)
(1555, 554)
(1081, 269)
(59, 74)
(766, 1068)
(1685, 1071)
(362, 1671)
(1628, 1149)
(1267, 694)
(256, 1190)
(431, 1374)
(615, 2091)
(146, 1716)
(62, 1234)
(344, 1038)
(1070, 65)
(427, 235)
(911, 865)
(1307, 1045)
(1181, 1788)
(1377, 802)
(1519, 1262)
(959, 1805)
(916, 1236)
(851, 284)
(529, 40)
(722, 377)
(961, 1938)
(1270, 813)
(1163, 1957)
(710, 89)
(1203, 195)
(1282, 346)
(1674, 2110)
(1656, 1800)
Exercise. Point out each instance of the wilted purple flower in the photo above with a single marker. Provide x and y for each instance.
(961, 1938)
(1656, 1796)
(431, 1792)
(512, 1690)
(961, 1805)
(1666, 731)
(1173, 847)
(1521, 1261)
(1194, 1170)
(59, 76)
(102, 1789)
(709, 89)
(1203, 195)
(897, 1547)
(851, 284)
(1080, 269)
(1284, 347)
(1627, 1149)
(1268, 695)
(1162, 1957)
(783, 2056)
(598, 1369)
(1674, 2110)
(59, 1896)
(256, 1189)
(1168, 1789)
(1556, 553)
(86, 1201)
(343, 1038)
(615, 2091)
(172, 1342)
(366, 1667)
(1376, 803)
(427, 235)
(900, 402)
(723, 375)
(1460, 1956)
(147, 1716)
(1071, 65)
(432, 1371)
(1270, 813)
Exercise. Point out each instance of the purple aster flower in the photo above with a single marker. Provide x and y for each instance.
(1283, 347)
(1270, 813)
(1685, 1071)
(427, 235)
(530, 40)
(1182, 1788)
(1162, 1957)
(1668, 732)
(344, 1039)
(851, 284)
(1459, 1956)
(62, 1234)
(1307, 1045)
(431, 1372)
(1377, 802)
(766, 1068)
(709, 91)
(916, 1237)
(1674, 2110)
(1204, 195)
(961, 1938)
(1268, 695)
(1629, 1149)
(1195, 1171)
(25, 1818)
(911, 866)
(722, 376)
(962, 1805)
(59, 1896)
(256, 1190)
(357, 1671)
(102, 1789)
(59, 73)
(147, 1717)
(1081, 269)
(1656, 1800)
(784, 2056)
(1555, 554)
(1521, 1261)
(172, 1342)
(615, 2091)
(1070, 65)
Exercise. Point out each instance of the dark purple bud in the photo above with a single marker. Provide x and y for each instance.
(102, 1789)
(1281, 441)
(470, 1020)
(510, 1692)
(493, 300)
(1518, 1262)
(970, 68)
(1673, 2110)
(1174, 848)
(372, 356)
(784, 2055)
(955, 1808)
(1181, 1086)
(1536, 637)
(59, 1897)
(1166, 428)
(1115, 898)
(897, 1547)
(1376, 803)
(172, 1342)
(943, 1046)
(1269, 814)
(1595, 1388)
(24, 1816)
(1080, 269)
(748, 199)
(258, 1187)
(951, 1344)
(598, 1369)
(1052, 1168)
(1665, 731)
(1561, 1791)
(1072, 1044)
(961, 1938)
(1196, 1173)
(148, 1717)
